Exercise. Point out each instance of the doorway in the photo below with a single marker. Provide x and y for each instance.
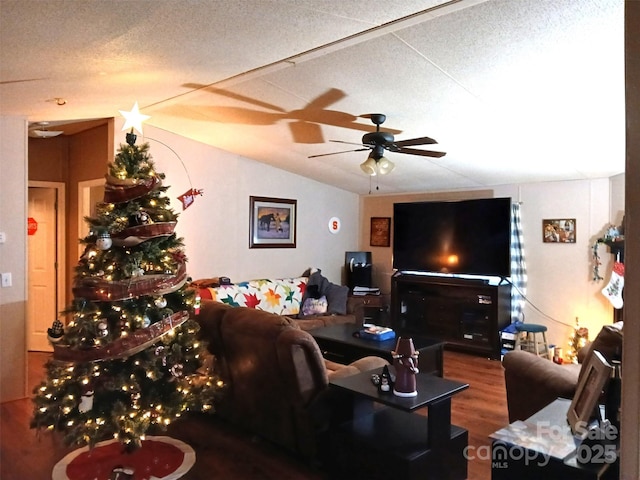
(46, 260)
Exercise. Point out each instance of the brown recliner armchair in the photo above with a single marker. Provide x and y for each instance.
(276, 378)
(533, 382)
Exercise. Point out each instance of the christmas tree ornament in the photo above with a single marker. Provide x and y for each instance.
(197, 303)
(177, 369)
(146, 321)
(137, 271)
(104, 242)
(55, 332)
(86, 399)
(188, 197)
(140, 218)
(613, 290)
(160, 302)
(103, 329)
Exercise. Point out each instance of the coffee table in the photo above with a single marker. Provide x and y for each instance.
(387, 440)
(338, 344)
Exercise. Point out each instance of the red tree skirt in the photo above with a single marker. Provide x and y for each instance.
(162, 458)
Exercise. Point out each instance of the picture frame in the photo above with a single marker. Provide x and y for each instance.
(380, 232)
(559, 230)
(597, 372)
(272, 222)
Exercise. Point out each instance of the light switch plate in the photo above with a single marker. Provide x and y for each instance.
(6, 279)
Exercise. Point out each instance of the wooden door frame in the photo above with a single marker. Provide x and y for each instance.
(84, 187)
(61, 221)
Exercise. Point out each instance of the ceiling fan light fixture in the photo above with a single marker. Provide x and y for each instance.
(369, 166)
(385, 166)
(41, 131)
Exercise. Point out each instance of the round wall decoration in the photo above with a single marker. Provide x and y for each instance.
(334, 225)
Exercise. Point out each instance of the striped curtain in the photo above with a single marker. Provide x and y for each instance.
(518, 266)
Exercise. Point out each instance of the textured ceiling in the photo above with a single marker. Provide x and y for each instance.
(513, 90)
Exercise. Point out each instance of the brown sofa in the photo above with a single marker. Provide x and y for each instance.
(276, 378)
(291, 294)
(533, 382)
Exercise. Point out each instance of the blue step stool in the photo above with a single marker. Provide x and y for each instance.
(526, 339)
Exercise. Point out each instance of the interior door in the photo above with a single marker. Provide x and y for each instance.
(42, 307)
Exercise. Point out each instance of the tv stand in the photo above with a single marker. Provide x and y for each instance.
(467, 314)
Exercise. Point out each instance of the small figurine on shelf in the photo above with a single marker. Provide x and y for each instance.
(405, 361)
(386, 384)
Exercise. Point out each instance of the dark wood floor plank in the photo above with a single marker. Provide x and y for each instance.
(223, 451)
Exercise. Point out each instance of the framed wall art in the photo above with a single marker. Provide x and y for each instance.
(272, 222)
(559, 230)
(380, 232)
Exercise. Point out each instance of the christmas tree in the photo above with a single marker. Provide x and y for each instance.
(577, 341)
(129, 360)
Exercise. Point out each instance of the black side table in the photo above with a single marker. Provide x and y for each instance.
(386, 440)
(544, 447)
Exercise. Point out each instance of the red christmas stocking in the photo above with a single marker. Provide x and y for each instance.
(613, 291)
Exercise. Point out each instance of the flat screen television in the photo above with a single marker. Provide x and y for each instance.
(469, 237)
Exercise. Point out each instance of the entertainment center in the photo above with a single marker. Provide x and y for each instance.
(452, 262)
(468, 314)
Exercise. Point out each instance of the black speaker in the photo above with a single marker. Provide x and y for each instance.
(358, 269)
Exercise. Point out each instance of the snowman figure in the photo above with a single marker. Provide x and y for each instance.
(104, 241)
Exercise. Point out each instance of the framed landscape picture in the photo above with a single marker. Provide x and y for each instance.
(272, 222)
(559, 230)
(380, 232)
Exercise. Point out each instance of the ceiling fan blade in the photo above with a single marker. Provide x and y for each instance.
(336, 153)
(423, 153)
(415, 141)
(7, 82)
(350, 143)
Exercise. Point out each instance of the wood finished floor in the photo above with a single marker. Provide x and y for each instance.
(222, 452)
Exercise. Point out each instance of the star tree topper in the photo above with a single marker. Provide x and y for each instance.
(134, 119)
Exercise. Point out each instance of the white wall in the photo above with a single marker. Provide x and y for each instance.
(560, 276)
(13, 256)
(617, 199)
(216, 227)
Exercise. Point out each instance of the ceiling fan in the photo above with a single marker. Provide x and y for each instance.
(379, 141)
